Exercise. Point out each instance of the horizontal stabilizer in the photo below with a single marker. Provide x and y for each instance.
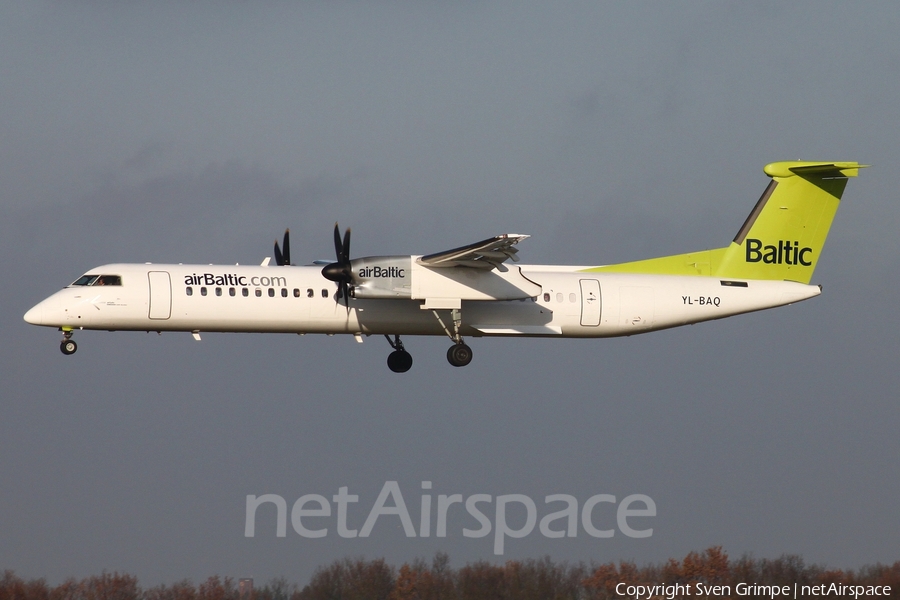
(819, 169)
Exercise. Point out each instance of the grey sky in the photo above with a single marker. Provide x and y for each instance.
(169, 132)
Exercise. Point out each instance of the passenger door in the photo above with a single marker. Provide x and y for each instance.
(590, 302)
(160, 295)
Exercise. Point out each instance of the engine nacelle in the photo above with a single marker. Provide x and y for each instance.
(382, 277)
(404, 277)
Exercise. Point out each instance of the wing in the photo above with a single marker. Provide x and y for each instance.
(486, 254)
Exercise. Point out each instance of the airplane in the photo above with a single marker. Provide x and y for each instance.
(474, 290)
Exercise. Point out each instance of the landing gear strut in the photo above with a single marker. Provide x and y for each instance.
(399, 361)
(459, 354)
(68, 345)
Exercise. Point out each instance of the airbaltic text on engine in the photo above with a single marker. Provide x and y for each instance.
(382, 272)
(785, 253)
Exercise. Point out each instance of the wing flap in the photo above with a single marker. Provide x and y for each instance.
(486, 254)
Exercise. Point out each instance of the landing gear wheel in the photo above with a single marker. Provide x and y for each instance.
(68, 347)
(399, 361)
(459, 355)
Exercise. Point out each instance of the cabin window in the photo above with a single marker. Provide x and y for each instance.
(546, 297)
(324, 293)
(189, 291)
(218, 291)
(296, 292)
(258, 293)
(559, 297)
(231, 291)
(309, 293)
(571, 297)
(271, 292)
(245, 292)
(284, 293)
(203, 291)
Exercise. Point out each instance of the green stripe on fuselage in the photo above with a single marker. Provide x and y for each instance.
(702, 263)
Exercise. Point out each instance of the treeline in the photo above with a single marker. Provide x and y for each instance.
(360, 579)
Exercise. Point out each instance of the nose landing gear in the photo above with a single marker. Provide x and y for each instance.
(68, 345)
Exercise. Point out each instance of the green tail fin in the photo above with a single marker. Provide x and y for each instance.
(783, 236)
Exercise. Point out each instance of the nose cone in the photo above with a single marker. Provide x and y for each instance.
(35, 316)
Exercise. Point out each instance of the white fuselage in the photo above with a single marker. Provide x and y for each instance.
(294, 299)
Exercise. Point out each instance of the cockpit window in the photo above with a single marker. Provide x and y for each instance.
(86, 280)
(99, 280)
(108, 280)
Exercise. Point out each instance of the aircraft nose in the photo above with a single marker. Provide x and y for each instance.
(35, 315)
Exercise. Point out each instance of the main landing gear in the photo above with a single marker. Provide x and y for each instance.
(399, 361)
(68, 345)
(459, 355)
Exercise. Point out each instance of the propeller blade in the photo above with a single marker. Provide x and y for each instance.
(338, 247)
(345, 257)
(345, 294)
(286, 256)
(340, 271)
(283, 258)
